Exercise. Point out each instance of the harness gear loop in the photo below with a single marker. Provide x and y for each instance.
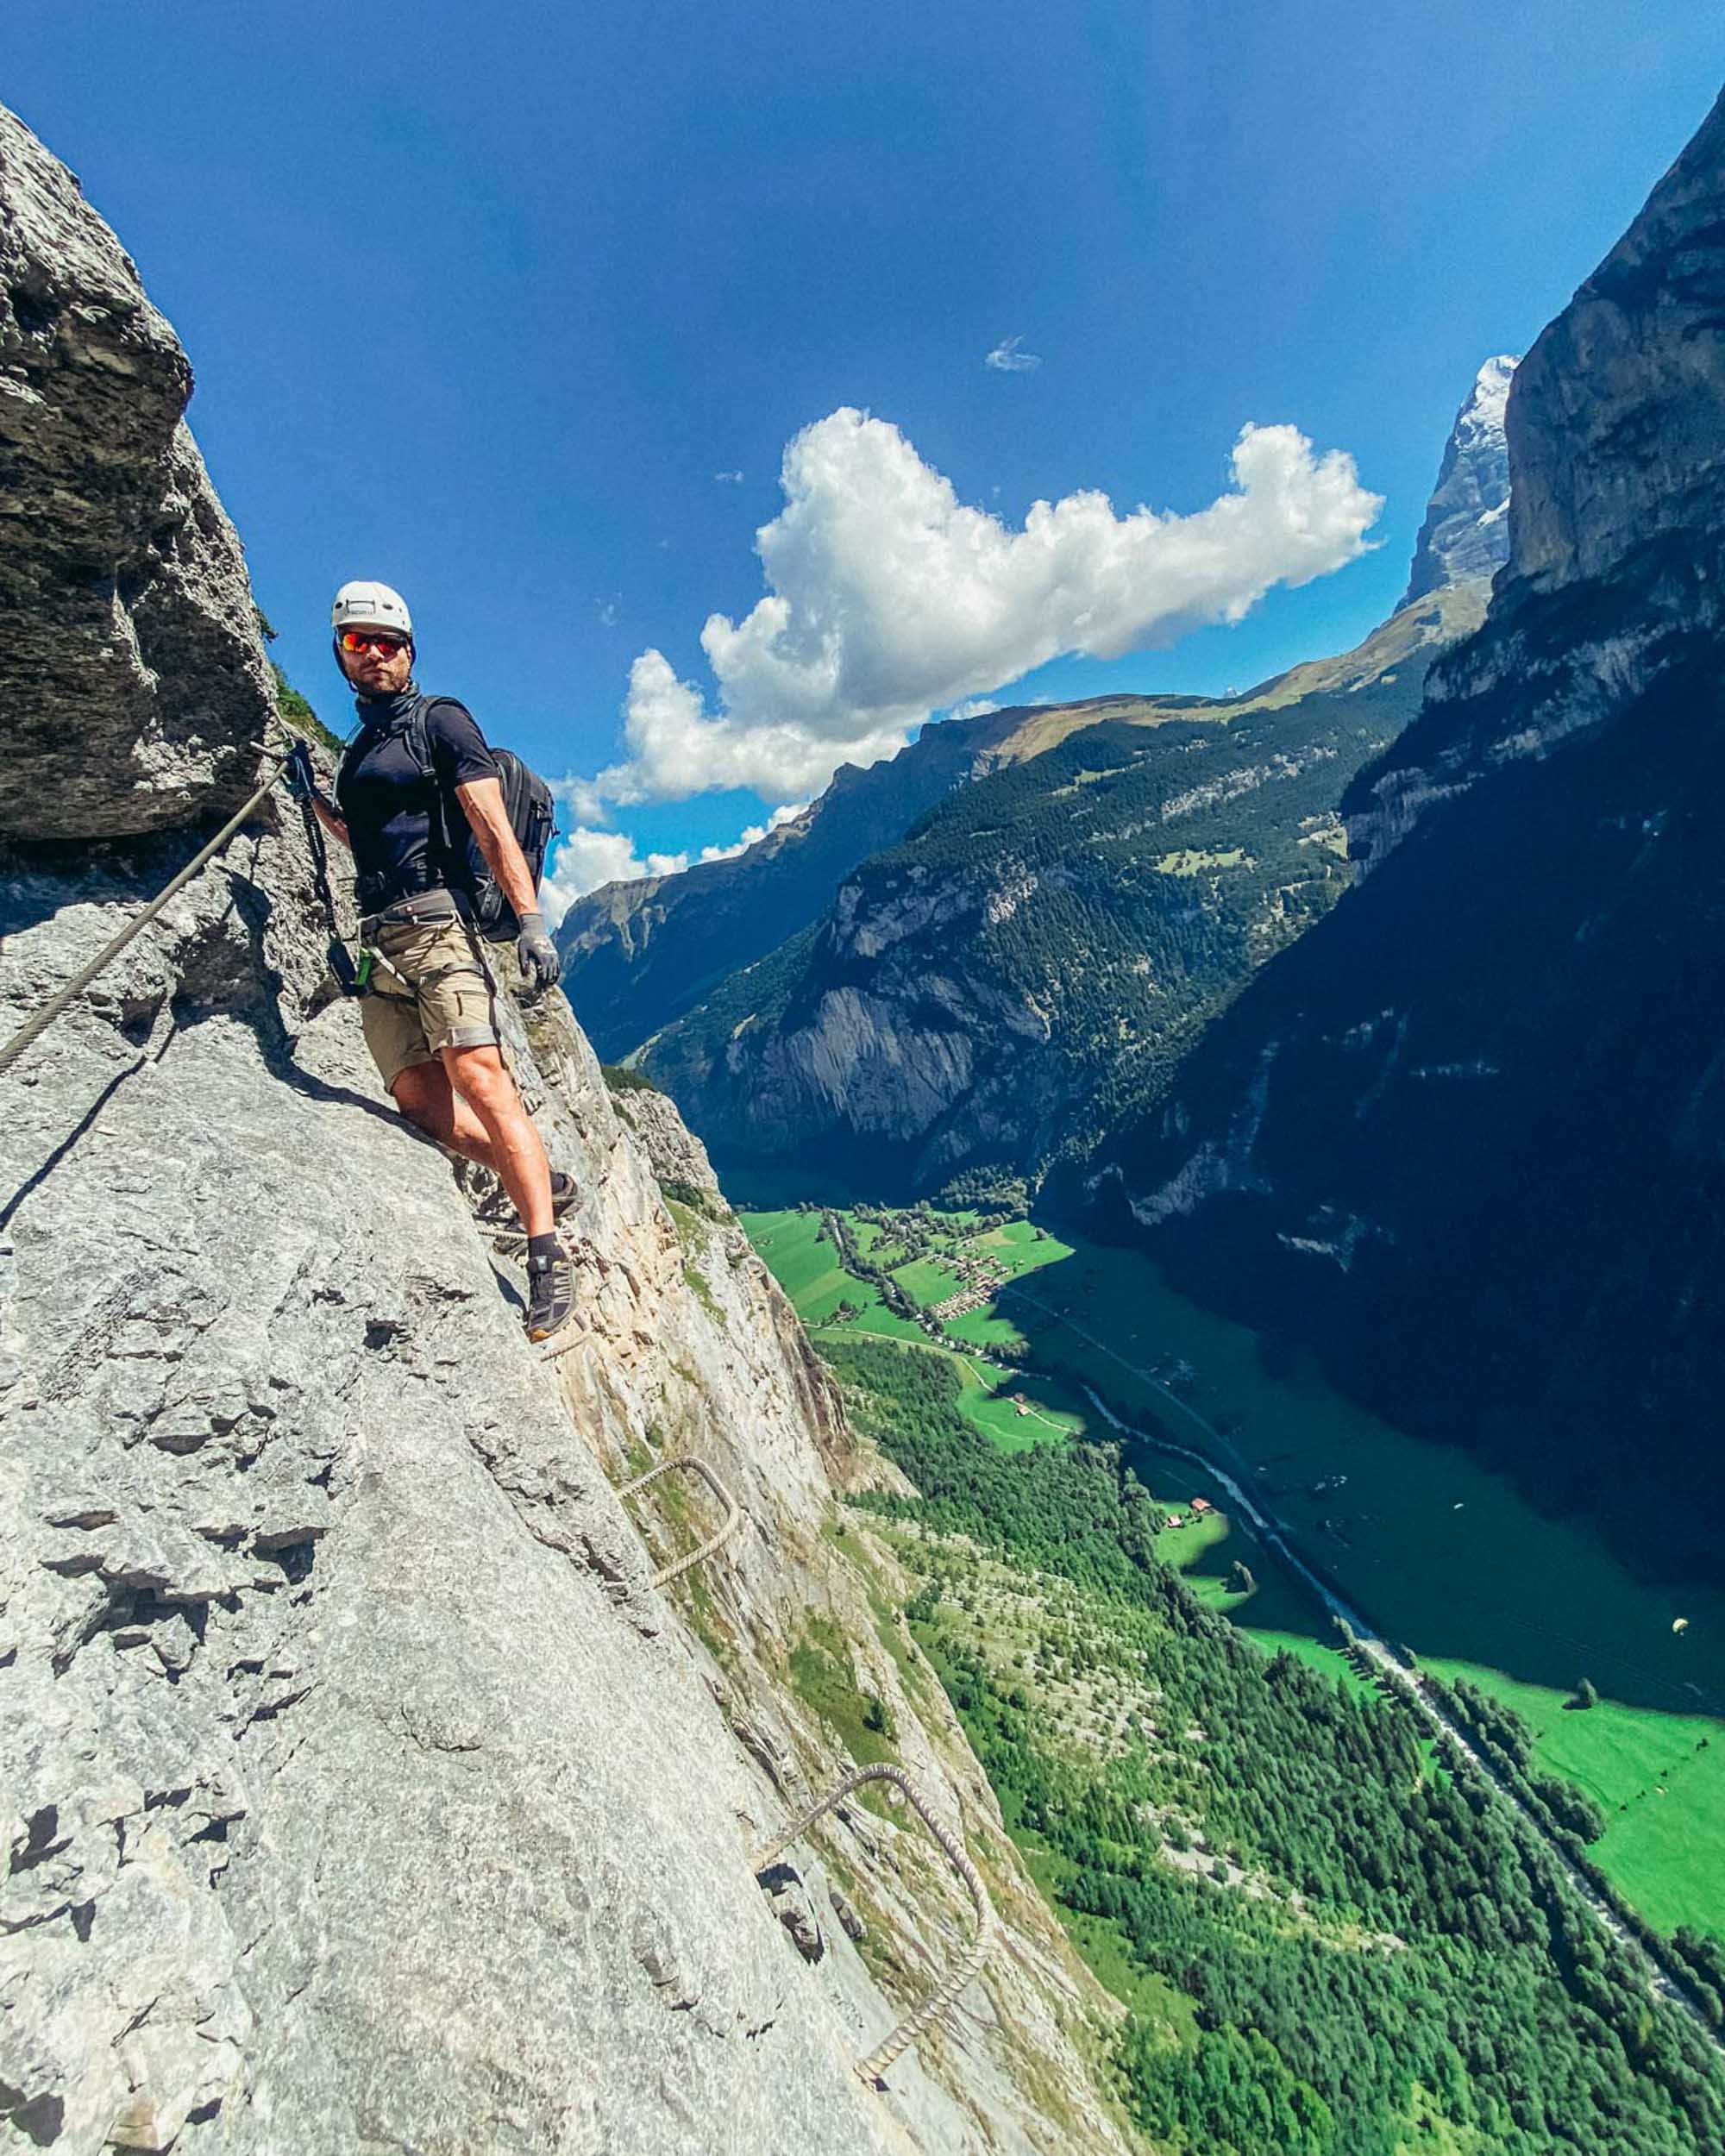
(873, 2068)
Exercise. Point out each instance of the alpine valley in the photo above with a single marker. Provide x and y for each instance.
(400, 1761)
(1017, 972)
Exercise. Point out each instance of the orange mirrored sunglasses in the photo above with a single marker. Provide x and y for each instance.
(357, 639)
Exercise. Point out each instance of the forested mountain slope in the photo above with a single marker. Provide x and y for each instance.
(1024, 969)
(1333, 1944)
(637, 955)
(1469, 1134)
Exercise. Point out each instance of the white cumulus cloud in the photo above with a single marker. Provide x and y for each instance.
(888, 598)
(587, 858)
(1008, 357)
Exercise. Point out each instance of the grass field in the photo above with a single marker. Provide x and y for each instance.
(927, 1282)
(1438, 1552)
(1658, 1778)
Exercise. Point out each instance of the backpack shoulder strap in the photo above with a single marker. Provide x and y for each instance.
(418, 734)
(451, 823)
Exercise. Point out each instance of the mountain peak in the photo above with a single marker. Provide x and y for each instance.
(1467, 532)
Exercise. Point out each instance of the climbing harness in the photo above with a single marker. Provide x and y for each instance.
(733, 1513)
(939, 2002)
(35, 1027)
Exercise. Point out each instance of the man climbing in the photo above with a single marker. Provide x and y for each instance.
(427, 1011)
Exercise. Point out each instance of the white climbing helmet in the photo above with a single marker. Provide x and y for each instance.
(364, 604)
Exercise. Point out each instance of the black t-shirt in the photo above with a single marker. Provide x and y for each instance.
(399, 838)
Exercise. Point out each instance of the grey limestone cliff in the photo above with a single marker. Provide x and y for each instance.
(358, 1790)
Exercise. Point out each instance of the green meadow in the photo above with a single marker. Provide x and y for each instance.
(1438, 1552)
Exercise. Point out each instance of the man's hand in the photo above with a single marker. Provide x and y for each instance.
(540, 963)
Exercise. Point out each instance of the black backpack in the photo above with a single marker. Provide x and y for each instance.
(527, 803)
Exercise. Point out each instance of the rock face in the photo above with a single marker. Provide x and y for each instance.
(982, 997)
(1465, 536)
(1469, 1136)
(126, 618)
(358, 1790)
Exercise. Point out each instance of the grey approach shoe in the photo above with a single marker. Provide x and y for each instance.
(550, 1293)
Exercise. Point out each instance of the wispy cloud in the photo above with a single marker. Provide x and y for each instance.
(1009, 358)
(756, 833)
(606, 609)
(729, 479)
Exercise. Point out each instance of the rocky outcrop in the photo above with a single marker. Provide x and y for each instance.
(138, 686)
(1498, 1062)
(1465, 536)
(360, 1792)
(1617, 425)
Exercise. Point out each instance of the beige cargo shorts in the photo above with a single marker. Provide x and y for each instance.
(442, 999)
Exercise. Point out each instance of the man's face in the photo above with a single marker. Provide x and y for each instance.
(375, 661)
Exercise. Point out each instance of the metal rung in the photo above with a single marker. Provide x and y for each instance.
(573, 1335)
(873, 2068)
(733, 1512)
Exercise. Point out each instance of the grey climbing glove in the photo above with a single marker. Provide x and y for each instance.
(539, 959)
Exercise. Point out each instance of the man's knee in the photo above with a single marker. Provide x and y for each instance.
(481, 1078)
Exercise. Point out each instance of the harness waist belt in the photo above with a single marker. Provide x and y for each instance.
(423, 906)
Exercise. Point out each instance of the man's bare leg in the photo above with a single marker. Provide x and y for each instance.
(431, 1103)
(479, 1078)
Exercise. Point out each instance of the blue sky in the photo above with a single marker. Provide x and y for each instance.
(485, 302)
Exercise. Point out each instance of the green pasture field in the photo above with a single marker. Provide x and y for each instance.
(1436, 1551)
(868, 1234)
(795, 1251)
(874, 1322)
(987, 1399)
(1023, 1246)
(927, 1282)
(983, 1329)
(805, 1265)
(1656, 1777)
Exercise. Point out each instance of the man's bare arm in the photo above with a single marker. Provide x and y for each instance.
(482, 800)
(331, 823)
